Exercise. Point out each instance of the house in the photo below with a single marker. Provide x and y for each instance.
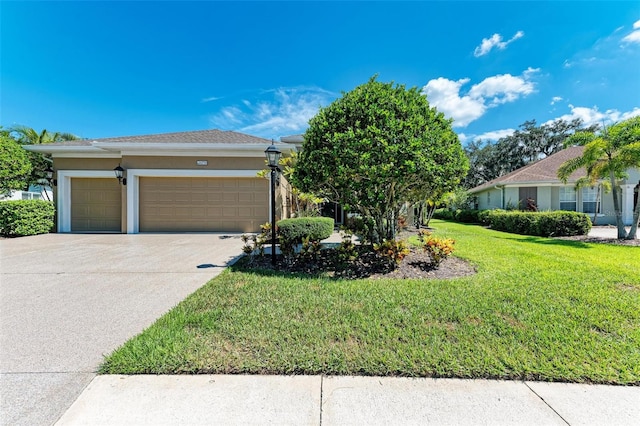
(199, 181)
(539, 182)
(35, 192)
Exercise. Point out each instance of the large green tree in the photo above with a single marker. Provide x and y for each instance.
(608, 155)
(377, 147)
(40, 162)
(15, 167)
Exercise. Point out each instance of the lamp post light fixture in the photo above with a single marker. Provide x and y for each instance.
(273, 157)
(119, 171)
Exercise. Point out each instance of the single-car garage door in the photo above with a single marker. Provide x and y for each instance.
(170, 204)
(96, 205)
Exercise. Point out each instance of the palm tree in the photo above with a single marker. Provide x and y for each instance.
(40, 162)
(608, 155)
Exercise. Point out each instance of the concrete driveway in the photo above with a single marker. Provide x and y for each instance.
(68, 299)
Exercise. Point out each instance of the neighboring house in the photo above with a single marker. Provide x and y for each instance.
(35, 192)
(539, 182)
(201, 181)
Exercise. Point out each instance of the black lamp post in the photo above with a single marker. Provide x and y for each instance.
(273, 156)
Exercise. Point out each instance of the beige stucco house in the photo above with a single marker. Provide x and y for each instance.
(200, 181)
(539, 181)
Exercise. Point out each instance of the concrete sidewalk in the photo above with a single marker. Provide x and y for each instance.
(319, 400)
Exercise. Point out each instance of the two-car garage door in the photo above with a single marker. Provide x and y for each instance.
(173, 204)
(199, 204)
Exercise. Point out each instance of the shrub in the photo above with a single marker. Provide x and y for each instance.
(467, 216)
(544, 224)
(362, 227)
(392, 252)
(443, 214)
(347, 251)
(294, 231)
(26, 217)
(437, 248)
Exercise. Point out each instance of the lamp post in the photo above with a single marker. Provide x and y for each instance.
(273, 156)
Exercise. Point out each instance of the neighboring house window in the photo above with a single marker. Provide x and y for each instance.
(31, 195)
(568, 198)
(488, 198)
(590, 200)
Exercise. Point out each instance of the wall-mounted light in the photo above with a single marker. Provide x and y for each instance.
(119, 171)
(49, 171)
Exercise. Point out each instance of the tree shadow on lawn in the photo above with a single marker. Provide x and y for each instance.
(549, 241)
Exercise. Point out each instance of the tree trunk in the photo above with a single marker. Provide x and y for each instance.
(595, 213)
(634, 223)
(617, 207)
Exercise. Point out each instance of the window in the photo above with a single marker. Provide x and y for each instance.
(568, 198)
(31, 195)
(489, 198)
(590, 200)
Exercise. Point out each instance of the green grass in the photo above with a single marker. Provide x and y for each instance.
(538, 309)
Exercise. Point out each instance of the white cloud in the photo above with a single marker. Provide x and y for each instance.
(274, 113)
(210, 99)
(590, 116)
(445, 95)
(636, 25)
(633, 37)
(555, 100)
(495, 41)
(502, 88)
(495, 134)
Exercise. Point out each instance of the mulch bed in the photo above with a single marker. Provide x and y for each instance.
(416, 265)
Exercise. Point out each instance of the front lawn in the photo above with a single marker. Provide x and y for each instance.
(538, 309)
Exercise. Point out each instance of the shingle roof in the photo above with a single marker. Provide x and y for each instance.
(198, 136)
(545, 170)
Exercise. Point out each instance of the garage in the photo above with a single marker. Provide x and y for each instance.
(96, 205)
(202, 204)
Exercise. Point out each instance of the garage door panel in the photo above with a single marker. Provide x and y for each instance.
(96, 205)
(202, 204)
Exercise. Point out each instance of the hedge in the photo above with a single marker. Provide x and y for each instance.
(461, 215)
(293, 231)
(544, 224)
(19, 218)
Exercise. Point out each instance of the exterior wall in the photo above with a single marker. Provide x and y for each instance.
(153, 165)
(555, 198)
(137, 162)
(511, 197)
(544, 198)
(489, 199)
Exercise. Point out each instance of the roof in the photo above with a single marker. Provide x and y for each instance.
(198, 136)
(541, 171)
(194, 141)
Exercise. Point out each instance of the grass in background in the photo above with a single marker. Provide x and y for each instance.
(538, 309)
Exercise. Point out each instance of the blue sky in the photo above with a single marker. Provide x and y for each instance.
(100, 69)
